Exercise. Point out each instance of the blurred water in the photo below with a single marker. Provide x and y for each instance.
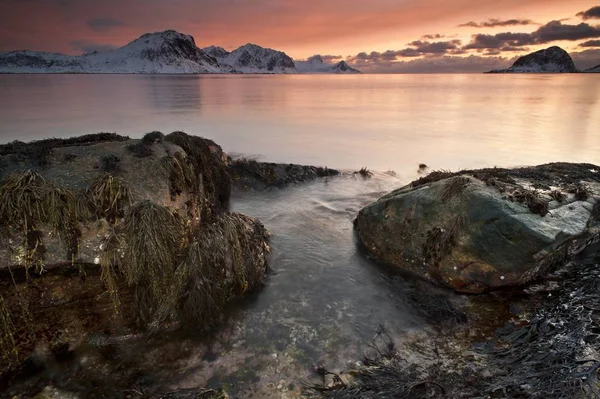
(380, 121)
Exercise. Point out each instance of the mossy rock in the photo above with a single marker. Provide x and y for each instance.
(475, 236)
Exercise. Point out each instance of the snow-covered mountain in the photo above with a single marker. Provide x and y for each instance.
(251, 58)
(159, 52)
(216, 52)
(168, 52)
(315, 64)
(551, 60)
(595, 69)
(343, 67)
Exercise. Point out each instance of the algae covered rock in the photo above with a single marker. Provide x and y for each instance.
(483, 230)
(148, 243)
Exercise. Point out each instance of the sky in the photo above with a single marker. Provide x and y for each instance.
(374, 35)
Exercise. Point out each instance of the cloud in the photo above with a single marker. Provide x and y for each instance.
(590, 43)
(555, 30)
(593, 12)
(435, 47)
(442, 64)
(104, 24)
(433, 36)
(493, 23)
(82, 46)
(587, 58)
(419, 48)
(407, 52)
(552, 31)
(500, 40)
(328, 59)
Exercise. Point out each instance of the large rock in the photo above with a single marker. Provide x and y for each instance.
(484, 230)
(100, 229)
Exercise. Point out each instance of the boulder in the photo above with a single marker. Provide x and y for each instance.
(476, 231)
(98, 232)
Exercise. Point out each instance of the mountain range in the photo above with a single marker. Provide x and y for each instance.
(168, 52)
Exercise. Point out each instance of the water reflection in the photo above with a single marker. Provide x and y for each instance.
(382, 121)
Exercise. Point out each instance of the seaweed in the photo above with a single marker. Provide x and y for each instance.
(364, 172)
(433, 177)
(153, 237)
(454, 187)
(182, 176)
(202, 276)
(216, 182)
(108, 197)
(385, 374)
(153, 138)
(557, 196)
(19, 147)
(582, 192)
(28, 203)
(38, 154)
(8, 345)
(110, 163)
(546, 357)
(69, 157)
(140, 150)
(531, 199)
(440, 241)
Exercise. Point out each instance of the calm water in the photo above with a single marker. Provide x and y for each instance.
(323, 300)
(380, 121)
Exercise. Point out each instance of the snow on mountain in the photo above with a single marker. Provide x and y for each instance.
(216, 52)
(551, 60)
(343, 67)
(315, 64)
(167, 52)
(251, 58)
(159, 52)
(595, 69)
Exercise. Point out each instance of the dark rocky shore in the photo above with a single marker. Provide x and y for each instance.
(545, 345)
(104, 238)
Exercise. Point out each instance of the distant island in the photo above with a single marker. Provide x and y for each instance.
(168, 52)
(551, 60)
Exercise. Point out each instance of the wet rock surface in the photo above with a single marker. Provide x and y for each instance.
(476, 231)
(149, 244)
(254, 175)
(546, 349)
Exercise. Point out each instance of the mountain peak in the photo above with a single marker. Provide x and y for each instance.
(251, 58)
(550, 60)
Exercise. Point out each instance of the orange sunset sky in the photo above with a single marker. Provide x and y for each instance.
(374, 35)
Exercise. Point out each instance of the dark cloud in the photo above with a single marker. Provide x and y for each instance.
(433, 37)
(586, 59)
(593, 12)
(493, 22)
(419, 49)
(408, 52)
(328, 59)
(552, 31)
(84, 47)
(435, 47)
(104, 24)
(590, 43)
(500, 40)
(555, 30)
(442, 64)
